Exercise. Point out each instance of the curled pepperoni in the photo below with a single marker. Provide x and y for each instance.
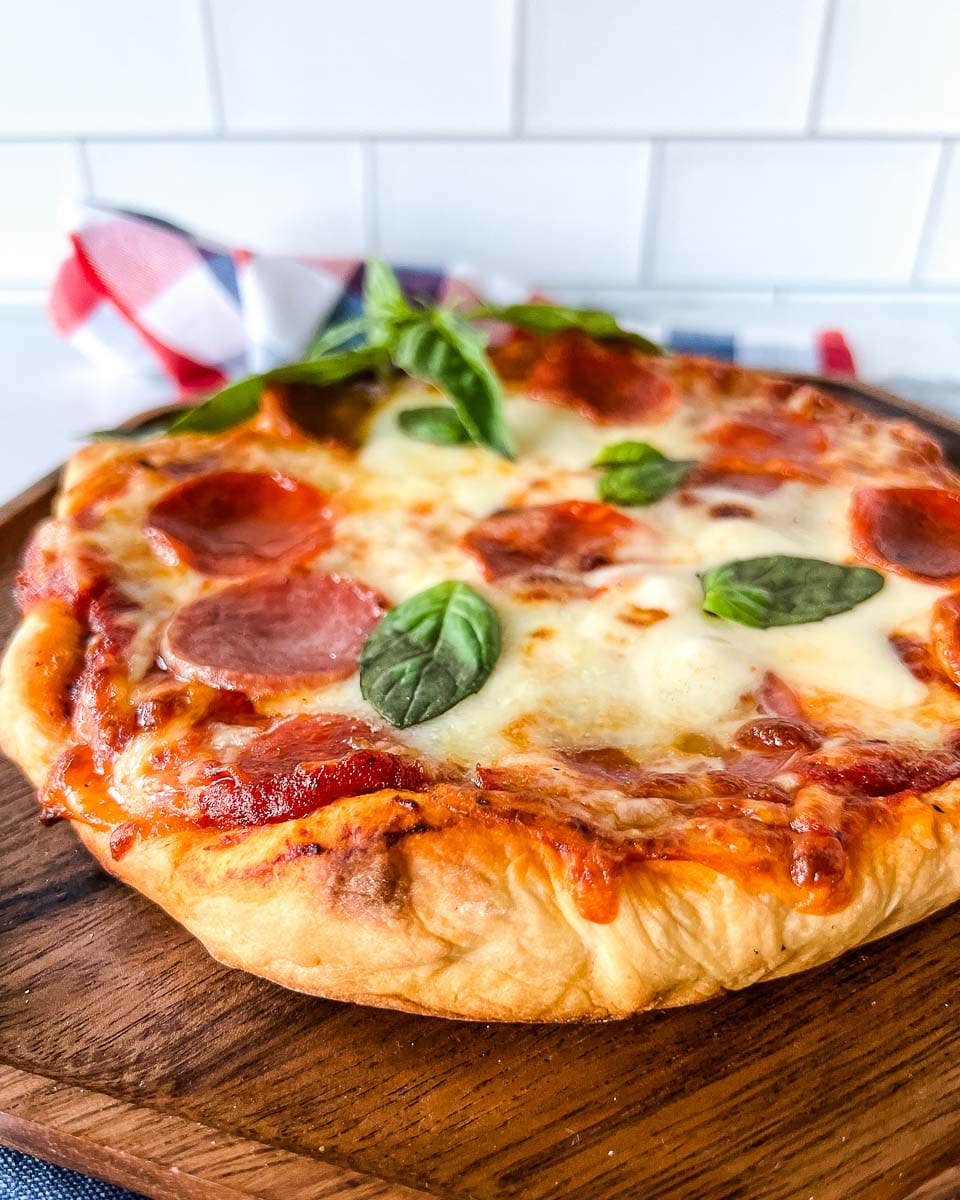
(298, 766)
(913, 531)
(239, 522)
(781, 445)
(572, 535)
(920, 659)
(273, 634)
(881, 768)
(946, 635)
(607, 383)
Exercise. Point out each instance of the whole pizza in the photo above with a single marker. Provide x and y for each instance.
(497, 665)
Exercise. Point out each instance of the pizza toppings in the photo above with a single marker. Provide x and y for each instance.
(429, 653)
(230, 523)
(946, 635)
(434, 423)
(298, 766)
(784, 445)
(608, 383)
(913, 531)
(881, 768)
(779, 589)
(572, 535)
(273, 633)
(635, 474)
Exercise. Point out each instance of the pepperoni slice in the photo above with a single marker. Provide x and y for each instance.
(913, 531)
(881, 768)
(782, 445)
(946, 635)
(756, 483)
(298, 766)
(273, 634)
(572, 535)
(607, 383)
(239, 522)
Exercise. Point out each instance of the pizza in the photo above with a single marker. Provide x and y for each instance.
(631, 681)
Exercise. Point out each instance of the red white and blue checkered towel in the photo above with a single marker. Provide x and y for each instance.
(140, 294)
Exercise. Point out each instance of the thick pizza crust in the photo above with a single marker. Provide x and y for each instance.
(448, 920)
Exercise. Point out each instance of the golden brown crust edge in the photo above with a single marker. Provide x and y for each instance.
(454, 922)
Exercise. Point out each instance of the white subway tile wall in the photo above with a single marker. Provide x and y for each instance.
(291, 197)
(784, 147)
(550, 212)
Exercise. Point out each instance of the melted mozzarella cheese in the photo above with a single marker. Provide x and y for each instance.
(636, 665)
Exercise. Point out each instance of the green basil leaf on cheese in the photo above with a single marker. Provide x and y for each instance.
(429, 653)
(779, 589)
(442, 348)
(634, 485)
(619, 453)
(435, 424)
(556, 318)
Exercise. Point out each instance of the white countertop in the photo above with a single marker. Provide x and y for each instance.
(53, 397)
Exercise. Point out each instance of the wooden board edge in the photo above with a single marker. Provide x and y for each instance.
(161, 1156)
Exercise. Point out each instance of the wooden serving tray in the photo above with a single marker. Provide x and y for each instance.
(127, 1053)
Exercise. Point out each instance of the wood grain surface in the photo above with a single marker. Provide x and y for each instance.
(126, 1052)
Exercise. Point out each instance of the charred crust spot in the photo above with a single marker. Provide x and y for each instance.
(122, 838)
(393, 836)
(407, 802)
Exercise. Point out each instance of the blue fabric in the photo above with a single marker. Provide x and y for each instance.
(25, 1178)
(716, 345)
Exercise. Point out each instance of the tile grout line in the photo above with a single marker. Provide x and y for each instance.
(212, 65)
(518, 98)
(931, 217)
(651, 219)
(457, 137)
(821, 66)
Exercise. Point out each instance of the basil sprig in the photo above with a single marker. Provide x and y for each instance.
(240, 401)
(429, 653)
(436, 344)
(557, 318)
(443, 349)
(435, 424)
(635, 474)
(779, 589)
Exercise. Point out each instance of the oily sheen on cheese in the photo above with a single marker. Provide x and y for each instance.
(584, 671)
(629, 802)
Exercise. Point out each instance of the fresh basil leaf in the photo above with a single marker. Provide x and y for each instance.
(230, 406)
(436, 424)
(149, 429)
(779, 589)
(556, 318)
(337, 336)
(428, 653)
(634, 485)
(445, 350)
(620, 453)
(332, 368)
(385, 305)
(239, 401)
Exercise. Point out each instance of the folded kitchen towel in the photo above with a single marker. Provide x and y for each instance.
(26, 1178)
(139, 294)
